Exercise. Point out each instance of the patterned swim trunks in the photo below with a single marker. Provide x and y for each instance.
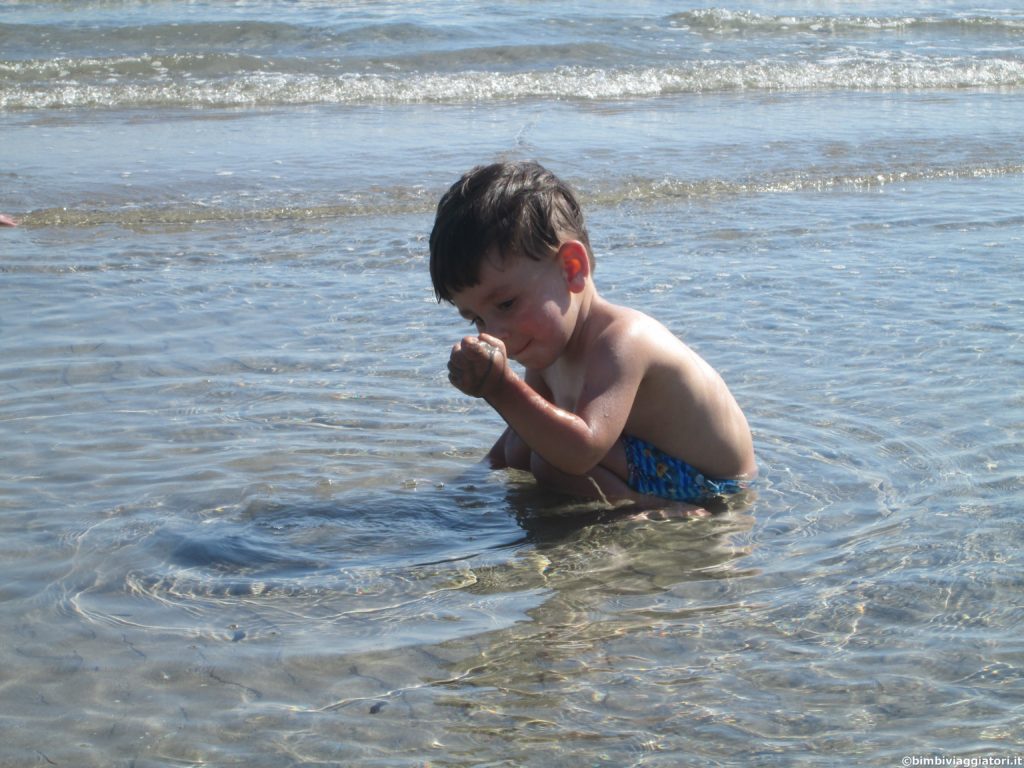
(655, 473)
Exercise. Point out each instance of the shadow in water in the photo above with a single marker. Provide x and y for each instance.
(385, 563)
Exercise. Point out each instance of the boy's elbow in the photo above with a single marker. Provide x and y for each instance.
(578, 467)
(551, 474)
(575, 462)
(577, 455)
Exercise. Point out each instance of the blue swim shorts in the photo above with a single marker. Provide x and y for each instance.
(655, 473)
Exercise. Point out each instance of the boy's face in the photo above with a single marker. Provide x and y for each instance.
(523, 302)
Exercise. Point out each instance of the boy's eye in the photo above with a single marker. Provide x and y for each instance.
(506, 304)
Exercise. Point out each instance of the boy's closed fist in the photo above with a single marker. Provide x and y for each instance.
(477, 364)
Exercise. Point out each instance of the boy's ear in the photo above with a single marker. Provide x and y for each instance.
(575, 264)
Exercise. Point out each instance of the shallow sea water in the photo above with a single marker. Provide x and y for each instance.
(242, 519)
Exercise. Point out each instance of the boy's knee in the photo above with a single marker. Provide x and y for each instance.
(544, 472)
(517, 453)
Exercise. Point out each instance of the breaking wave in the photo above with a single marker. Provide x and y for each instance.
(194, 82)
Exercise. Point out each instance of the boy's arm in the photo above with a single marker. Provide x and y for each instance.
(572, 442)
(564, 439)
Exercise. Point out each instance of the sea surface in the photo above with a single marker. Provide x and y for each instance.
(243, 519)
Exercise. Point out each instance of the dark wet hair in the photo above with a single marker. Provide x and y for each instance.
(519, 209)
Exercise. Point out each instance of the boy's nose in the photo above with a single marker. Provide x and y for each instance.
(500, 331)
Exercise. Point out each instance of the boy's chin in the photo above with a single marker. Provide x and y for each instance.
(522, 355)
(532, 358)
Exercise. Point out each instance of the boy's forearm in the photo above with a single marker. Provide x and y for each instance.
(560, 437)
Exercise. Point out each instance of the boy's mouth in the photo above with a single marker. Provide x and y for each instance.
(515, 355)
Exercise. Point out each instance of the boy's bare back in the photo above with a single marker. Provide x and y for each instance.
(680, 403)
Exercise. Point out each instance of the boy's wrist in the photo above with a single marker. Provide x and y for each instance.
(496, 379)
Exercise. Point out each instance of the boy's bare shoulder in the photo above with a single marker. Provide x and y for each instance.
(634, 331)
(665, 363)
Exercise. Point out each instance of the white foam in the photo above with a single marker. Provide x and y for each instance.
(850, 71)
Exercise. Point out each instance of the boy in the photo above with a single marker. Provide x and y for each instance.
(612, 404)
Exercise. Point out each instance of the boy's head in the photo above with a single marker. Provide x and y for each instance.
(505, 210)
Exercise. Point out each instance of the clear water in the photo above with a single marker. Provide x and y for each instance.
(241, 516)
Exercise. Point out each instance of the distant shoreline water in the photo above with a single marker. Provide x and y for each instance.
(240, 62)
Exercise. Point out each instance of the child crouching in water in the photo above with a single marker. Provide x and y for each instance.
(612, 404)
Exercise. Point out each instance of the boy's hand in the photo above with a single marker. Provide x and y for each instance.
(477, 365)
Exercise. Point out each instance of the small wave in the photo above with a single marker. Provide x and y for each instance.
(52, 88)
(181, 215)
(719, 21)
(418, 200)
(668, 189)
(245, 34)
(292, 37)
(152, 68)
